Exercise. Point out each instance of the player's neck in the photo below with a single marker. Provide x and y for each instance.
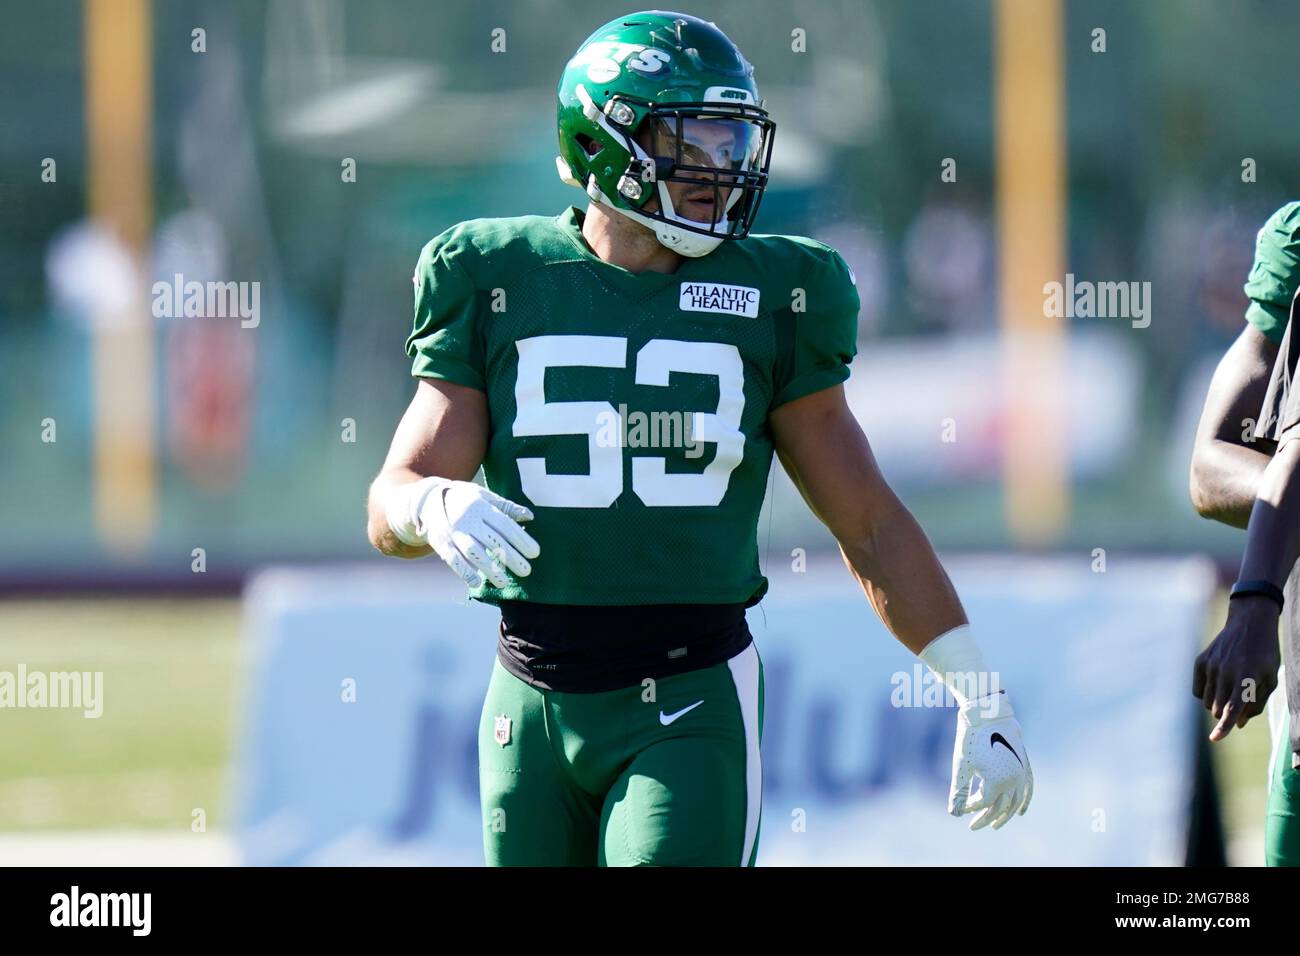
(622, 242)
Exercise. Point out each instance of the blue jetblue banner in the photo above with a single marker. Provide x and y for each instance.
(366, 684)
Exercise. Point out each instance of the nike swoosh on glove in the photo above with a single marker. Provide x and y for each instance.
(990, 749)
(475, 531)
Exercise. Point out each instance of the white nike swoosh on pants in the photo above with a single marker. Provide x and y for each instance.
(667, 719)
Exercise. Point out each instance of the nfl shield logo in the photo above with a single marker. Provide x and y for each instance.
(502, 730)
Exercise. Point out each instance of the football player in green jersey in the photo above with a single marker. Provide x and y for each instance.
(1244, 451)
(623, 377)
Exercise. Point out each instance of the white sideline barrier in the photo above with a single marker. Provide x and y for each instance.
(1098, 666)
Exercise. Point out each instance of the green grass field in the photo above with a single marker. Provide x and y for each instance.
(171, 696)
(162, 745)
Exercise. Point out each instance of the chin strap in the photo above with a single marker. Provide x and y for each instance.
(684, 242)
(566, 174)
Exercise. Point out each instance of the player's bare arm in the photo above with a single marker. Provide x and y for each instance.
(424, 499)
(1237, 479)
(1226, 465)
(1237, 672)
(823, 449)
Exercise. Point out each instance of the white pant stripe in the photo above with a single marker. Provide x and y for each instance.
(744, 673)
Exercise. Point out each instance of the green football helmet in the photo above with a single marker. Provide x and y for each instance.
(656, 98)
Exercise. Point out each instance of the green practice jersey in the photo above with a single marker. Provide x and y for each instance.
(629, 411)
(1275, 273)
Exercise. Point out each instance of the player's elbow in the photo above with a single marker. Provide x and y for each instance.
(375, 534)
(1205, 488)
(1198, 488)
(378, 532)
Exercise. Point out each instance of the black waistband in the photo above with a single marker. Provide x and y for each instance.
(588, 648)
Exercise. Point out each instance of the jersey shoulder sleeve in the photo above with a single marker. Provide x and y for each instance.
(444, 342)
(1275, 274)
(818, 330)
(455, 271)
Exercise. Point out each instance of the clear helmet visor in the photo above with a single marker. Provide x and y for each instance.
(709, 141)
(714, 160)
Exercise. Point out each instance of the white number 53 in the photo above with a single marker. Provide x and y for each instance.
(651, 481)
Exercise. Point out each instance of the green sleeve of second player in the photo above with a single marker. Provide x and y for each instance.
(825, 331)
(1275, 273)
(445, 342)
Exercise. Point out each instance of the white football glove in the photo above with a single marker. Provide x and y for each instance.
(475, 531)
(989, 747)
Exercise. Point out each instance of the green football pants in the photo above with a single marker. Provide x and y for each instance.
(1282, 819)
(663, 773)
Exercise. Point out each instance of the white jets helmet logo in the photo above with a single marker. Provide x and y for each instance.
(603, 59)
(649, 61)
